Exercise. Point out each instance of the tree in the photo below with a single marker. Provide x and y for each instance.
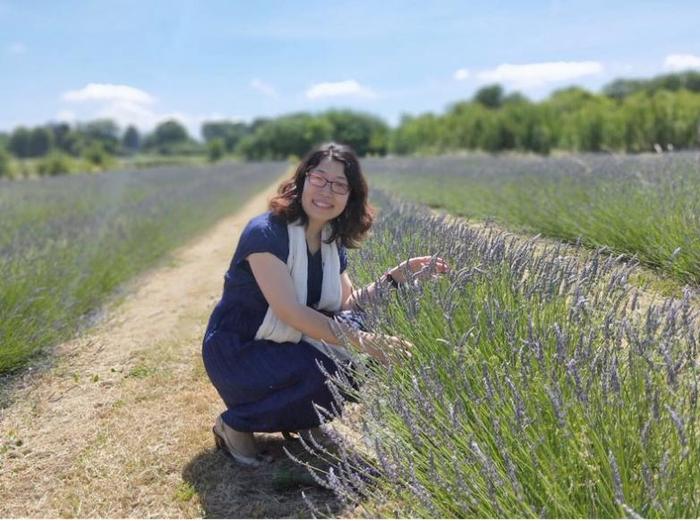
(490, 96)
(258, 122)
(285, 136)
(365, 133)
(131, 141)
(104, 131)
(620, 88)
(416, 134)
(40, 141)
(229, 132)
(66, 139)
(19, 142)
(167, 135)
(515, 98)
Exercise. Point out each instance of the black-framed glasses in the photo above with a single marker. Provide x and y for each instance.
(337, 187)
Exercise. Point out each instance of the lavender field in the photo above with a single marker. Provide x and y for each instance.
(542, 384)
(543, 381)
(67, 243)
(645, 206)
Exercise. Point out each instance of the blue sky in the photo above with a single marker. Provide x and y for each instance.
(142, 61)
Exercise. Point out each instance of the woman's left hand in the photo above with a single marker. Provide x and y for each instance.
(419, 268)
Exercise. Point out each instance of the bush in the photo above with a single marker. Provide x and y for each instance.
(54, 164)
(96, 155)
(215, 149)
(5, 166)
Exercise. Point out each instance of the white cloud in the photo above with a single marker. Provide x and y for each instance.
(126, 113)
(339, 88)
(681, 62)
(539, 74)
(129, 113)
(65, 115)
(264, 88)
(129, 106)
(461, 74)
(16, 48)
(108, 92)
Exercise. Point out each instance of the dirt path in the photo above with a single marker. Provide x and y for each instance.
(120, 425)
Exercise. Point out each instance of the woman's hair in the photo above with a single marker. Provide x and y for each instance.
(351, 226)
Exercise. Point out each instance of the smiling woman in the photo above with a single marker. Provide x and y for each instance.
(288, 305)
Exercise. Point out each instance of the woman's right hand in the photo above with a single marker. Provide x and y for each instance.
(397, 343)
(386, 349)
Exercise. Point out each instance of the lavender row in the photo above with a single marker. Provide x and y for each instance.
(643, 206)
(541, 384)
(66, 243)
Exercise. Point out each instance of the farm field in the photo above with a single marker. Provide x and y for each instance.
(542, 382)
(644, 206)
(66, 243)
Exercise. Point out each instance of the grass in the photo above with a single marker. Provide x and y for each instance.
(645, 207)
(66, 243)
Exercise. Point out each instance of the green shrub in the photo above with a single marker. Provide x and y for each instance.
(215, 149)
(54, 163)
(96, 155)
(5, 166)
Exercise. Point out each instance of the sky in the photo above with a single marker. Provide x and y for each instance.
(143, 61)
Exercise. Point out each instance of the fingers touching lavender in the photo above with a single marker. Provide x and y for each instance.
(419, 268)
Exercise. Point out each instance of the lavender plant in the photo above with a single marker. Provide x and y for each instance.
(642, 206)
(541, 384)
(66, 243)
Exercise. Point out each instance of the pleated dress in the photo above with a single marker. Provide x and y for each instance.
(266, 386)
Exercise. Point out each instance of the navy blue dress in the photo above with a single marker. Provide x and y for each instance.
(266, 386)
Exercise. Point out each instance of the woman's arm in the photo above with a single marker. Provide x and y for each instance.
(277, 287)
(416, 267)
(354, 297)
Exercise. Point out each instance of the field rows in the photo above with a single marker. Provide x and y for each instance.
(645, 207)
(542, 383)
(67, 243)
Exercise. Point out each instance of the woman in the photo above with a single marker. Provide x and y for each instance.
(286, 282)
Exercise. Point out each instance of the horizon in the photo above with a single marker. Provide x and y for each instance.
(238, 62)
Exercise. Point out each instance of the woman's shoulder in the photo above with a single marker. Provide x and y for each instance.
(266, 232)
(267, 222)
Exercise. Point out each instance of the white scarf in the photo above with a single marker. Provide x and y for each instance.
(272, 328)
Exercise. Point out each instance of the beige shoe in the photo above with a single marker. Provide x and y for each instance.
(315, 432)
(307, 434)
(224, 438)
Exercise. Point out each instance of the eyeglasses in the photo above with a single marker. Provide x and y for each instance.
(337, 187)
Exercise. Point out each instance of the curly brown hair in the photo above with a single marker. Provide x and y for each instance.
(351, 226)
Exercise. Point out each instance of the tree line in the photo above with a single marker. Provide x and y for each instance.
(626, 116)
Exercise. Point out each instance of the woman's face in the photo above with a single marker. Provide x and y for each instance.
(321, 203)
